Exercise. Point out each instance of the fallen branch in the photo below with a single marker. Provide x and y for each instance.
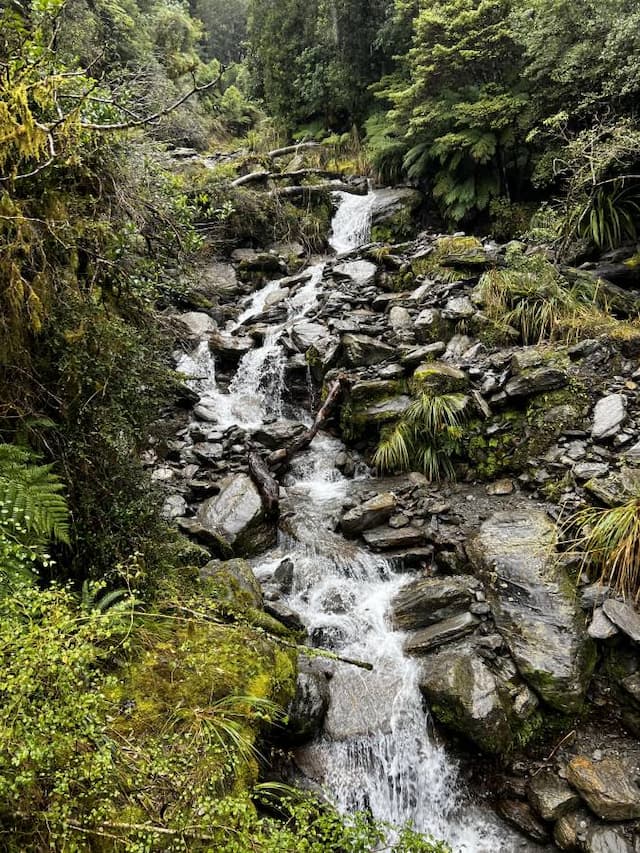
(280, 459)
(293, 149)
(319, 189)
(296, 175)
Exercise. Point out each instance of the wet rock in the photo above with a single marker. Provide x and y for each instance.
(604, 839)
(235, 520)
(533, 604)
(624, 616)
(197, 323)
(551, 796)
(360, 273)
(601, 627)
(458, 308)
(399, 318)
(520, 815)
(535, 381)
(278, 434)
(235, 580)
(231, 348)
(364, 418)
(207, 452)
(361, 702)
(363, 351)
(308, 708)
(594, 595)
(606, 786)
(609, 414)
(633, 453)
(305, 334)
(426, 639)
(392, 202)
(427, 600)
(617, 487)
(371, 513)
(284, 614)
(386, 538)
(589, 470)
(437, 377)
(463, 695)
(283, 576)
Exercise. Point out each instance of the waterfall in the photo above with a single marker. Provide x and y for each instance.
(351, 226)
(376, 751)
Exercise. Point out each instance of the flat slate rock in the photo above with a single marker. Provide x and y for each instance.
(428, 600)
(426, 639)
(604, 839)
(371, 513)
(385, 538)
(624, 616)
(536, 381)
(606, 786)
(601, 627)
(608, 416)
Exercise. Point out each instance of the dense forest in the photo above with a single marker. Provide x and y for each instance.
(143, 698)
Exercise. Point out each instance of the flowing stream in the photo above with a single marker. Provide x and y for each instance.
(377, 751)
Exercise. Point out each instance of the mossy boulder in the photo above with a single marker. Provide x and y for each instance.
(372, 404)
(363, 351)
(438, 377)
(464, 696)
(393, 216)
(534, 605)
(233, 582)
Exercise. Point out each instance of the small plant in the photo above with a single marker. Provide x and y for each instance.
(609, 540)
(426, 437)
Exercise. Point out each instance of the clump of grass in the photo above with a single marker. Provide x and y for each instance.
(609, 540)
(426, 437)
(532, 297)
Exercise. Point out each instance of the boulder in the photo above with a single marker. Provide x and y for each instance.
(278, 434)
(570, 831)
(371, 513)
(392, 202)
(399, 318)
(234, 580)
(463, 695)
(361, 702)
(551, 796)
(427, 352)
(534, 605)
(305, 334)
(624, 616)
(197, 323)
(235, 520)
(520, 815)
(230, 348)
(427, 600)
(426, 639)
(357, 419)
(431, 327)
(608, 416)
(363, 351)
(601, 627)
(437, 377)
(618, 487)
(608, 787)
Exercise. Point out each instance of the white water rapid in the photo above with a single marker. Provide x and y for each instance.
(377, 751)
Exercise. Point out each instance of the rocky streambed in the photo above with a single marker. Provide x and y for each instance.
(457, 592)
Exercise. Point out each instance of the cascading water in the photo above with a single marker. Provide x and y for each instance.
(351, 224)
(376, 751)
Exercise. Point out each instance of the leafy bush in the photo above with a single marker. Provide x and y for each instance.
(426, 437)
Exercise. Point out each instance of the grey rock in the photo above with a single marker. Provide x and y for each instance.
(633, 453)
(384, 538)
(363, 351)
(593, 595)
(608, 787)
(431, 327)
(415, 355)
(284, 614)
(624, 616)
(399, 318)
(426, 639)
(305, 334)
(570, 831)
(361, 273)
(520, 815)
(604, 839)
(371, 513)
(608, 416)
(278, 434)
(535, 381)
(463, 695)
(234, 519)
(390, 201)
(361, 702)
(173, 507)
(198, 324)
(437, 377)
(617, 487)
(428, 600)
(551, 796)
(283, 576)
(230, 347)
(589, 470)
(534, 606)
(601, 627)
(458, 308)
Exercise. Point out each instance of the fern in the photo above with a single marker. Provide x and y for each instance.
(31, 499)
